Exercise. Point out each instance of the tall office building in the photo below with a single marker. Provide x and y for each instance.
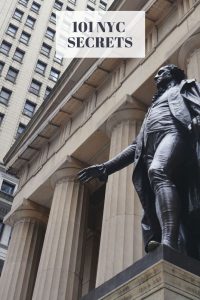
(29, 69)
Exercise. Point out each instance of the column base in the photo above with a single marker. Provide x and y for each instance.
(163, 274)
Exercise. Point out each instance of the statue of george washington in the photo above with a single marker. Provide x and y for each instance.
(166, 157)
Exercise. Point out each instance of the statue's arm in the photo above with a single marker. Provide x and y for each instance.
(102, 171)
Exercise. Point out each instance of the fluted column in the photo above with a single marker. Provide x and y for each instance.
(189, 57)
(59, 274)
(20, 268)
(121, 238)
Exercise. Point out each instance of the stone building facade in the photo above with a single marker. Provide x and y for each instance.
(69, 238)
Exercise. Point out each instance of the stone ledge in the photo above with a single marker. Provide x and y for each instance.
(162, 274)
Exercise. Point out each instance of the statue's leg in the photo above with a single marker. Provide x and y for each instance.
(168, 156)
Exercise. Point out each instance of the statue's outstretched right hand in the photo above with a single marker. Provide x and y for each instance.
(95, 171)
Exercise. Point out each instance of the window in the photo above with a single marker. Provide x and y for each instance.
(58, 57)
(58, 5)
(12, 74)
(29, 108)
(72, 2)
(47, 92)
(25, 37)
(50, 33)
(20, 130)
(35, 7)
(89, 7)
(93, 1)
(35, 87)
(1, 66)
(102, 4)
(1, 118)
(5, 95)
(12, 30)
(18, 55)
(24, 2)
(54, 74)
(5, 48)
(18, 14)
(45, 49)
(53, 18)
(7, 187)
(40, 67)
(30, 22)
(69, 8)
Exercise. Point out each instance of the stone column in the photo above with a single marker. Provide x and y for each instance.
(121, 238)
(189, 57)
(59, 274)
(20, 268)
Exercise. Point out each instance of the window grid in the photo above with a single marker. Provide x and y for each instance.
(23, 2)
(53, 18)
(25, 37)
(20, 129)
(58, 5)
(58, 58)
(35, 7)
(29, 108)
(47, 92)
(30, 22)
(35, 87)
(41, 67)
(18, 55)
(5, 47)
(18, 14)
(50, 33)
(5, 95)
(12, 30)
(12, 74)
(7, 187)
(45, 49)
(54, 74)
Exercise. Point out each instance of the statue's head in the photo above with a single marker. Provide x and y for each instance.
(168, 73)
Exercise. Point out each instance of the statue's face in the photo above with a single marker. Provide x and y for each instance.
(163, 77)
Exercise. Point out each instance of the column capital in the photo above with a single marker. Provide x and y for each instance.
(187, 49)
(131, 110)
(28, 210)
(68, 171)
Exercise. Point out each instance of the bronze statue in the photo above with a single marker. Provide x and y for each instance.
(165, 155)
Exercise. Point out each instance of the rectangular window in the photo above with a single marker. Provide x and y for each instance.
(24, 2)
(54, 74)
(20, 130)
(18, 14)
(5, 95)
(7, 187)
(12, 30)
(102, 4)
(58, 5)
(25, 37)
(69, 8)
(47, 92)
(30, 22)
(58, 57)
(35, 87)
(45, 49)
(35, 7)
(72, 2)
(18, 55)
(29, 108)
(1, 66)
(53, 18)
(50, 33)
(5, 48)
(40, 67)
(1, 118)
(89, 7)
(12, 74)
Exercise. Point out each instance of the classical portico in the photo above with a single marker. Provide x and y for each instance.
(69, 238)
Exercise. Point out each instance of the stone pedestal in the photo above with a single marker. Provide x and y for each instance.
(121, 238)
(20, 269)
(59, 273)
(163, 274)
